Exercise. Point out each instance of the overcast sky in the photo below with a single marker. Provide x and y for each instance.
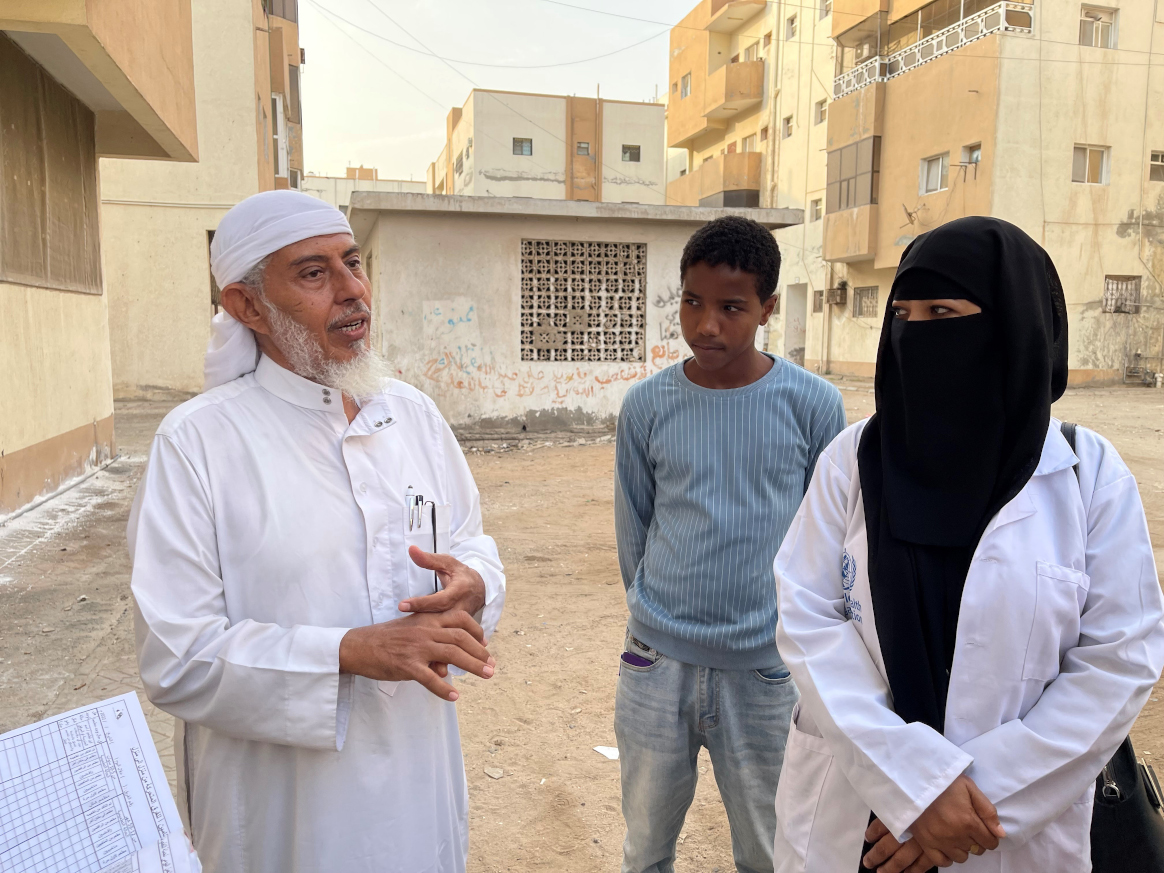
(356, 110)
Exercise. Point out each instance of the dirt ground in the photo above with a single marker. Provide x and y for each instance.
(66, 632)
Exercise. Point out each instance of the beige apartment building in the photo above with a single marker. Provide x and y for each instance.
(79, 80)
(338, 190)
(882, 119)
(510, 144)
(158, 218)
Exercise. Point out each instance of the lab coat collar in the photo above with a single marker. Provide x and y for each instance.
(293, 388)
(1057, 454)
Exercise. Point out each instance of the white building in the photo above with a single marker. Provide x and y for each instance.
(509, 144)
(337, 190)
(519, 316)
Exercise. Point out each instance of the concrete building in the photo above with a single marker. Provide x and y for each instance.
(750, 87)
(79, 79)
(526, 316)
(337, 190)
(158, 217)
(509, 144)
(1046, 115)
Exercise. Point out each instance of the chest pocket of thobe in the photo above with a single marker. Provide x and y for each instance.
(1060, 593)
(419, 532)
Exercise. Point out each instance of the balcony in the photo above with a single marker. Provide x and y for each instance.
(1007, 17)
(728, 15)
(733, 88)
(725, 180)
(850, 235)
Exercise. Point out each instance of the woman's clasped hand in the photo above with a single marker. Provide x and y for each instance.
(959, 823)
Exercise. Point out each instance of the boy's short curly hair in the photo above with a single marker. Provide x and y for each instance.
(740, 243)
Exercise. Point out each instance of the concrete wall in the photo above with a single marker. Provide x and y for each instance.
(156, 216)
(338, 191)
(495, 119)
(447, 313)
(638, 124)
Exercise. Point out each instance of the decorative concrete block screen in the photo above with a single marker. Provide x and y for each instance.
(583, 301)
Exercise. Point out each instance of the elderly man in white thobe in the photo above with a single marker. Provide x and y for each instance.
(293, 611)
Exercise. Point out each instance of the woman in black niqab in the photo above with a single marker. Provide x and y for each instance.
(963, 407)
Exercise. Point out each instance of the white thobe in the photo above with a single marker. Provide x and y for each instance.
(266, 526)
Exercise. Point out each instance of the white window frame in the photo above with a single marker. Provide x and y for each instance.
(924, 179)
(786, 127)
(1107, 18)
(816, 210)
(685, 86)
(632, 153)
(826, 8)
(972, 154)
(820, 112)
(1104, 165)
(752, 52)
(523, 140)
(582, 148)
(1156, 167)
(748, 143)
(790, 27)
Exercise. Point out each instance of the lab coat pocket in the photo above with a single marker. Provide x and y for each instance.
(418, 531)
(1060, 593)
(807, 761)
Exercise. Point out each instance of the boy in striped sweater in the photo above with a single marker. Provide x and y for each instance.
(713, 457)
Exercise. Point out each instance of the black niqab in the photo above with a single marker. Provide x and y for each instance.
(963, 406)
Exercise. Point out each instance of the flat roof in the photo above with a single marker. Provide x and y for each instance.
(366, 205)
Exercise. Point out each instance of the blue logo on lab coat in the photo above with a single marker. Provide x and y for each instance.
(848, 580)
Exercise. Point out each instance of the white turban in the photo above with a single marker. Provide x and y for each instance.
(251, 230)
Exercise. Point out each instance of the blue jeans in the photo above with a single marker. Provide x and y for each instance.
(664, 712)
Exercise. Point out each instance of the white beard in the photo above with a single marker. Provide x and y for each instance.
(360, 378)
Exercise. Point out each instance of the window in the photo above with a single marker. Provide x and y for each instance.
(748, 143)
(294, 108)
(674, 87)
(275, 134)
(767, 39)
(935, 174)
(821, 112)
(49, 226)
(752, 52)
(972, 154)
(285, 9)
(735, 59)
(1097, 27)
(583, 148)
(522, 146)
(764, 135)
(786, 127)
(854, 175)
(459, 165)
(683, 171)
(685, 86)
(1121, 294)
(1089, 164)
(583, 301)
(731, 148)
(632, 153)
(818, 300)
(865, 302)
(790, 27)
(826, 8)
(1156, 168)
(815, 210)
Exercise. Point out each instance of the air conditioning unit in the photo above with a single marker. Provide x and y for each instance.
(838, 296)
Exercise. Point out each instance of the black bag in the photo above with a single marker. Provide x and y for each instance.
(1127, 822)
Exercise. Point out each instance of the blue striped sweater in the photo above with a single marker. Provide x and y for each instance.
(706, 484)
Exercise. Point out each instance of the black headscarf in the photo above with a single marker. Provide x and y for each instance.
(963, 406)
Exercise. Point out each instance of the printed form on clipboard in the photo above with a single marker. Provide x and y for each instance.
(84, 792)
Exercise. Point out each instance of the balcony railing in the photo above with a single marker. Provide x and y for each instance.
(1009, 17)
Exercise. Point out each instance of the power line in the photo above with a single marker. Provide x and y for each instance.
(553, 135)
(433, 54)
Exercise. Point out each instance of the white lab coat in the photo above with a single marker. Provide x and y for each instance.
(1059, 642)
(265, 527)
